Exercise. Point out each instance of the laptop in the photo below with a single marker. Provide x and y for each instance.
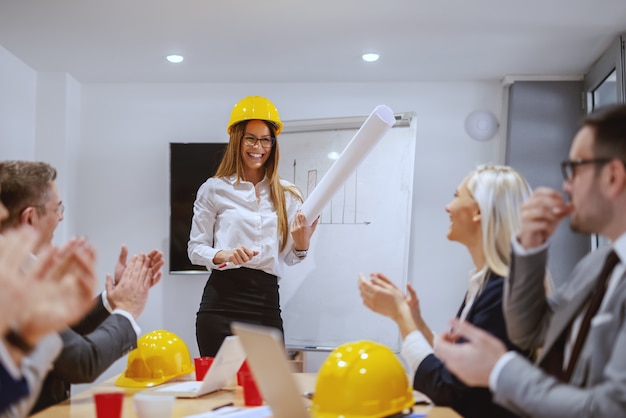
(267, 358)
(222, 372)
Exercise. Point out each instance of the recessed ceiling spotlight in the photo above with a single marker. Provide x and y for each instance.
(175, 58)
(370, 57)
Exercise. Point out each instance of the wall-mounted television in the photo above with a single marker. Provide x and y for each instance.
(190, 165)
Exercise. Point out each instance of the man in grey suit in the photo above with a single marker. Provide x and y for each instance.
(581, 371)
(110, 330)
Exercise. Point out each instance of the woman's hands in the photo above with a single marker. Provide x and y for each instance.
(382, 296)
(301, 231)
(237, 256)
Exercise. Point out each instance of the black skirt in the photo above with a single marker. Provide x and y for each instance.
(242, 295)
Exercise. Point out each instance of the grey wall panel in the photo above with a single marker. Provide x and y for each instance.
(543, 118)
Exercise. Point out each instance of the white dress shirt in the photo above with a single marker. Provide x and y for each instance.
(227, 216)
(118, 311)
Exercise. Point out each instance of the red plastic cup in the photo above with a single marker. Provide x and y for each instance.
(109, 404)
(202, 366)
(251, 394)
(244, 368)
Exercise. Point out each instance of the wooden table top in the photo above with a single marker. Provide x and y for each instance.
(82, 405)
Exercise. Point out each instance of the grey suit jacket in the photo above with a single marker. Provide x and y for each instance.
(598, 384)
(88, 350)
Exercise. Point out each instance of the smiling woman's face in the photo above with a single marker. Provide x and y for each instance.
(255, 156)
(464, 216)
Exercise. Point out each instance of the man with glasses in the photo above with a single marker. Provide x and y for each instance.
(581, 328)
(109, 330)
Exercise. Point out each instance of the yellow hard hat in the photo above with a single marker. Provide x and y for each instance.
(255, 107)
(160, 356)
(361, 379)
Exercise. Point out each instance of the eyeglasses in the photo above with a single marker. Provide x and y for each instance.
(266, 142)
(60, 209)
(568, 167)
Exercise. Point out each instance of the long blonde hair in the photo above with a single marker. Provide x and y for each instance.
(499, 192)
(232, 164)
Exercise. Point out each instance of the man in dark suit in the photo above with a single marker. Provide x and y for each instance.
(110, 330)
(581, 327)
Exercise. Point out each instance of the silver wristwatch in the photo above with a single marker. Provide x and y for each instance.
(300, 253)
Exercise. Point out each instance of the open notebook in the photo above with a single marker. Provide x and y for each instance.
(267, 358)
(228, 360)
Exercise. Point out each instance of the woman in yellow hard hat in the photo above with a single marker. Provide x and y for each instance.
(484, 216)
(246, 227)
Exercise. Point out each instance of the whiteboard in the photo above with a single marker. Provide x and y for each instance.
(365, 228)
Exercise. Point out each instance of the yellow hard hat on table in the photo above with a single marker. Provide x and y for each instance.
(160, 356)
(361, 379)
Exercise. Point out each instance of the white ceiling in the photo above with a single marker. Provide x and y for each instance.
(309, 41)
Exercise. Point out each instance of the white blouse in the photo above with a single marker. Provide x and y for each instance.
(415, 347)
(227, 216)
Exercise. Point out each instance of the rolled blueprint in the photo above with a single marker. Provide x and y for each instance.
(372, 131)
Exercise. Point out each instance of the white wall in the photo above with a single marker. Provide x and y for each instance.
(18, 83)
(110, 144)
(122, 172)
(57, 138)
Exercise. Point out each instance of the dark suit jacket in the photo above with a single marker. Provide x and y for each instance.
(442, 387)
(11, 390)
(89, 349)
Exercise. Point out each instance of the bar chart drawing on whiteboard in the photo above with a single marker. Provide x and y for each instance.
(342, 208)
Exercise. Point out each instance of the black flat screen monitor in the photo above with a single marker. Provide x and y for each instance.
(190, 165)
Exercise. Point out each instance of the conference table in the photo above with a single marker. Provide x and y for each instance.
(82, 404)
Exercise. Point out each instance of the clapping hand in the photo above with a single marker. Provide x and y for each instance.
(130, 291)
(16, 247)
(381, 295)
(63, 284)
(473, 360)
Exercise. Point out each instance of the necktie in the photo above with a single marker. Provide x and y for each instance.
(595, 300)
(553, 361)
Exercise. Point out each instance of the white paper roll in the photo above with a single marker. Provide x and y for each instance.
(373, 129)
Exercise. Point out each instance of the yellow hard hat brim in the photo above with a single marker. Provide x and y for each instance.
(129, 382)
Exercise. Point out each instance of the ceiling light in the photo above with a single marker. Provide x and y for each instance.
(370, 57)
(175, 58)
